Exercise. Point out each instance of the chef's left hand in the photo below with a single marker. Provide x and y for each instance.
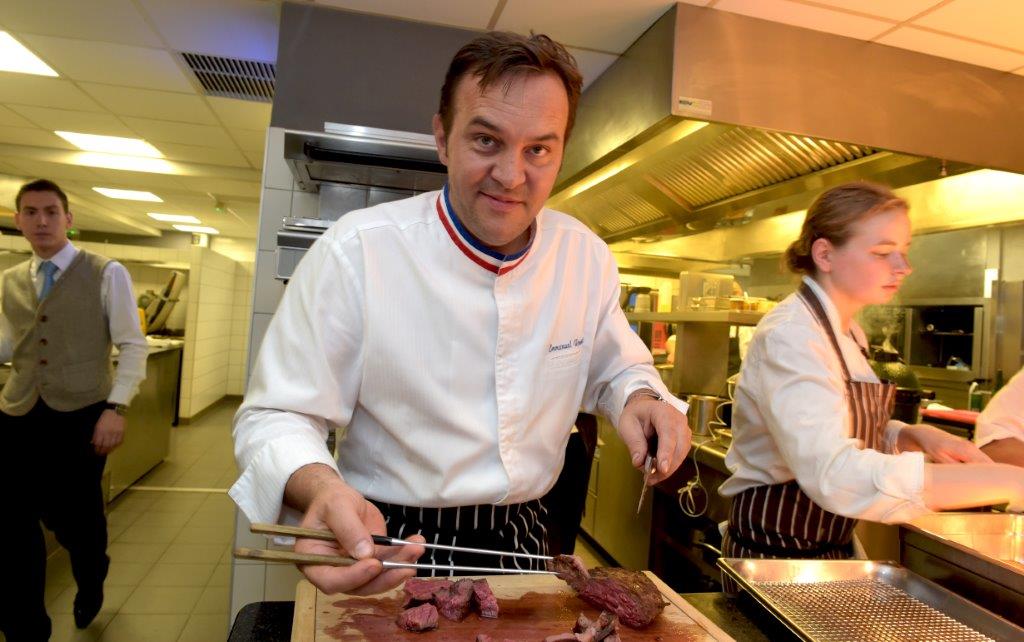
(108, 433)
(644, 416)
(940, 446)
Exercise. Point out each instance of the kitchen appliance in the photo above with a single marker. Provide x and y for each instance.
(350, 168)
(704, 291)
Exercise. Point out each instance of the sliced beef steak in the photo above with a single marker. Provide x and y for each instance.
(630, 595)
(422, 590)
(418, 618)
(484, 599)
(454, 602)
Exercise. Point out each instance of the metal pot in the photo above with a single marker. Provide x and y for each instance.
(703, 413)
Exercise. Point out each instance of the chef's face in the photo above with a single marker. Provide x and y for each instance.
(503, 152)
(869, 268)
(41, 217)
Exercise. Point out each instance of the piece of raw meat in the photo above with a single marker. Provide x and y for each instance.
(454, 602)
(418, 618)
(603, 629)
(630, 595)
(421, 590)
(484, 599)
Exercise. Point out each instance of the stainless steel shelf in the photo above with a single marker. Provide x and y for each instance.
(729, 317)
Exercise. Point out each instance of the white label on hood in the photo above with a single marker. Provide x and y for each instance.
(694, 106)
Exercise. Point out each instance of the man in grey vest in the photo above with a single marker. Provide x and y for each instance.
(62, 409)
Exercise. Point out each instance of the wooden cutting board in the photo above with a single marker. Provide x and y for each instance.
(532, 607)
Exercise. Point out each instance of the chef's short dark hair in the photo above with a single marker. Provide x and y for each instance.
(41, 185)
(497, 55)
(833, 215)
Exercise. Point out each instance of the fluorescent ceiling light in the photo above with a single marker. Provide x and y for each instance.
(128, 194)
(15, 57)
(129, 163)
(111, 144)
(197, 229)
(173, 218)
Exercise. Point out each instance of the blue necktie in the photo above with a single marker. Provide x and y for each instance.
(49, 269)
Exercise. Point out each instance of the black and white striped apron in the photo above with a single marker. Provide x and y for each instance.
(780, 520)
(515, 528)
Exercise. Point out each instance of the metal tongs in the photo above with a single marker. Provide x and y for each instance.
(292, 557)
(649, 463)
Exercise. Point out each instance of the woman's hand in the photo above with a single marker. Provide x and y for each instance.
(940, 446)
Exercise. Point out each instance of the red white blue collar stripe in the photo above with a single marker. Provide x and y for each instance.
(471, 246)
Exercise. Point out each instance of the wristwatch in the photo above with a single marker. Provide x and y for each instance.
(119, 408)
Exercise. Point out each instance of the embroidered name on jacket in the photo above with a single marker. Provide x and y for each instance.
(557, 347)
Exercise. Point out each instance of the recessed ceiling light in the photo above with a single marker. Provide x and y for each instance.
(129, 163)
(128, 194)
(15, 57)
(197, 229)
(173, 218)
(111, 144)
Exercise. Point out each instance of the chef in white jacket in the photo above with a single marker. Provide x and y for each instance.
(999, 430)
(814, 448)
(450, 339)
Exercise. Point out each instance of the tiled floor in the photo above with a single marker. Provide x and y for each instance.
(170, 569)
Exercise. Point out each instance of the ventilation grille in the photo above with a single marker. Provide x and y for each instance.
(233, 77)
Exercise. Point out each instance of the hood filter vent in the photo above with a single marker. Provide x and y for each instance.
(233, 77)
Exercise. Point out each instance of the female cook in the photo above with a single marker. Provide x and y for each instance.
(814, 448)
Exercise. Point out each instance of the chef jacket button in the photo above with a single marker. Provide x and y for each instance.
(43, 342)
(43, 362)
(44, 318)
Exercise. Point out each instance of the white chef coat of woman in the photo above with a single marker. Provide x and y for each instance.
(814, 448)
(999, 431)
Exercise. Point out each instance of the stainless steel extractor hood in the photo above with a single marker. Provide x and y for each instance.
(351, 167)
(714, 119)
(367, 156)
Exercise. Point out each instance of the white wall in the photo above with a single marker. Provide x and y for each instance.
(207, 357)
(240, 320)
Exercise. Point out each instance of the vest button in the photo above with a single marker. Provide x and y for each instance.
(43, 318)
(43, 342)
(43, 362)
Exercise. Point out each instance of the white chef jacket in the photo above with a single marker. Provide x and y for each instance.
(122, 317)
(1003, 417)
(456, 373)
(791, 420)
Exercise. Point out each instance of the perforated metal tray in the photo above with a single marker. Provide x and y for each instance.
(847, 600)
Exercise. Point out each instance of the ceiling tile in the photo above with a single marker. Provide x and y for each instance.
(255, 158)
(204, 155)
(808, 17)
(249, 140)
(471, 14)
(25, 89)
(113, 64)
(33, 137)
(891, 9)
(148, 103)
(136, 180)
(591, 63)
(156, 131)
(10, 119)
(1000, 22)
(234, 28)
(87, 122)
(953, 48)
(57, 172)
(222, 187)
(106, 20)
(604, 25)
(241, 114)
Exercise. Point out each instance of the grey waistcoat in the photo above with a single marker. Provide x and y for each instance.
(62, 344)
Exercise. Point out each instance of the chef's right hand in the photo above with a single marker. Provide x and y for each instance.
(332, 504)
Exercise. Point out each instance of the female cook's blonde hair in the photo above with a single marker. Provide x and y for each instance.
(833, 215)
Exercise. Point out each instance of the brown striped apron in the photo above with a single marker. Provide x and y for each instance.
(780, 520)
